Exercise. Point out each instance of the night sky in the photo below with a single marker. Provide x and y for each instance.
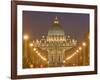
(37, 24)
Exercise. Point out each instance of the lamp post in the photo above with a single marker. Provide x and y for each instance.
(79, 58)
(25, 50)
(31, 53)
(64, 62)
(35, 56)
(84, 52)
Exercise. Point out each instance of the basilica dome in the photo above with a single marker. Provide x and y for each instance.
(56, 29)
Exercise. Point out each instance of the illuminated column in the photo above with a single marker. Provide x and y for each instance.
(84, 52)
(53, 59)
(62, 56)
(50, 57)
(58, 54)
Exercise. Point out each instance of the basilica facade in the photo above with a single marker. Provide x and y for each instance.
(56, 43)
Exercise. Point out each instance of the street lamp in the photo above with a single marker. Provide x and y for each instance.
(64, 61)
(25, 37)
(37, 52)
(31, 52)
(43, 58)
(77, 57)
(25, 49)
(31, 66)
(80, 48)
(31, 44)
(77, 51)
(34, 49)
(84, 46)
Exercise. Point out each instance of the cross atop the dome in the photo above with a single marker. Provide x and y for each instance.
(56, 20)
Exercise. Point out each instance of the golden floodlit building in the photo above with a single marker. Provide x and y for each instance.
(55, 44)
